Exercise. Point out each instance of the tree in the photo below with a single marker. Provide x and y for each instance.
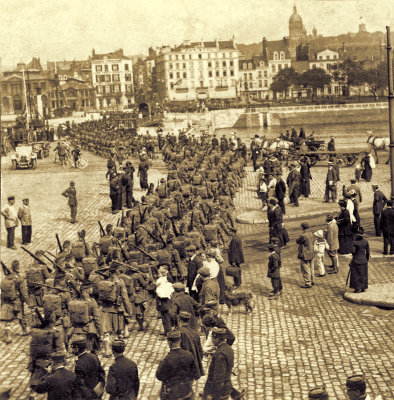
(376, 79)
(283, 80)
(351, 72)
(315, 78)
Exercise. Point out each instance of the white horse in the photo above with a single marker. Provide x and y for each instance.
(378, 143)
(277, 144)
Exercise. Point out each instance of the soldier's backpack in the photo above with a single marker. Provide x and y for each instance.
(202, 191)
(186, 190)
(78, 250)
(105, 243)
(161, 191)
(197, 180)
(89, 265)
(79, 311)
(108, 291)
(34, 274)
(119, 232)
(172, 185)
(179, 244)
(211, 232)
(52, 303)
(134, 255)
(41, 343)
(163, 257)
(8, 288)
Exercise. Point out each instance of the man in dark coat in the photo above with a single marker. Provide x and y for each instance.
(61, 384)
(113, 191)
(218, 385)
(123, 382)
(293, 183)
(236, 256)
(275, 220)
(88, 369)
(331, 144)
(176, 371)
(305, 254)
(274, 264)
(71, 194)
(305, 176)
(387, 227)
(181, 301)
(280, 192)
(379, 201)
(190, 341)
(194, 263)
(331, 184)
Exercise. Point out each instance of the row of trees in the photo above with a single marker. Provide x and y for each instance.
(349, 73)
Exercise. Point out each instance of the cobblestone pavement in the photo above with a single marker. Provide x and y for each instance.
(288, 345)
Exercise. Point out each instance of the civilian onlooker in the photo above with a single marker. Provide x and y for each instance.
(25, 217)
(331, 184)
(387, 227)
(359, 263)
(305, 254)
(280, 192)
(345, 234)
(333, 243)
(274, 264)
(379, 201)
(293, 183)
(319, 247)
(11, 221)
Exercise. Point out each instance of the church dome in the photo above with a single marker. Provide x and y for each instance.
(295, 17)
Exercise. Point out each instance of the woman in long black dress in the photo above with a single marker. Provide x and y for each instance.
(359, 263)
(344, 229)
(305, 173)
(143, 173)
(366, 167)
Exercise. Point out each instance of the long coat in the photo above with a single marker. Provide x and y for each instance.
(367, 170)
(344, 232)
(332, 235)
(235, 252)
(305, 176)
(190, 341)
(359, 264)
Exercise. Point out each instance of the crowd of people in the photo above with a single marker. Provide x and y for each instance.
(166, 253)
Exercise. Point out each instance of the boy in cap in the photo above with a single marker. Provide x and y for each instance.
(122, 381)
(11, 221)
(71, 194)
(274, 264)
(25, 217)
(176, 371)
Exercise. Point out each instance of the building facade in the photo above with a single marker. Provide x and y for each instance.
(197, 71)
(112, 76)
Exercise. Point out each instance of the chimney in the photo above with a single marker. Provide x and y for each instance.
(264, 49)
(285, 41)
(93, 53)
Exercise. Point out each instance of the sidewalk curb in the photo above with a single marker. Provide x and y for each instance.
(367, 298)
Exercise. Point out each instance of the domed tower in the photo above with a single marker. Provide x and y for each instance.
(297, 31)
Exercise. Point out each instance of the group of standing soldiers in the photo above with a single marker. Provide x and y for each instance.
(89, 292)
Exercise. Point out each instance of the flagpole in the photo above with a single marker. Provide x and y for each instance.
(27, 105)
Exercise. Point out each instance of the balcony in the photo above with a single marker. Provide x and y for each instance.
(181, 90)
(221, 88)
(201, 87)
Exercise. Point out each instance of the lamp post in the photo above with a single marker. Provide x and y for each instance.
(391, 108)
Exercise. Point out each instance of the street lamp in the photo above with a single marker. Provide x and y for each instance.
(391, 108)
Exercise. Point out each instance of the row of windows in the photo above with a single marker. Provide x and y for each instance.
(279, 56)
(210, 65)
(115, 78)
(115, 67)
(112, 89)
(218, 83)
(278, 67)
(261, 84)
(179, 75)
(200, 56)
(18, 87)
(334, 57)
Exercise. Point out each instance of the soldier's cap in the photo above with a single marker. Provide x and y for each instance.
(170, 237)
(204, 271)
(356, 382)
(179, 286)
(360, 230)
(273, 201)
(162, 180)
(185, 315)
(86, 285)
(305, 225)
(174, 336)
(78, 340)
(352, 180)
(318, 393)
(66, 243)
(191, 248)
(271, 247)
(329, 162)
(72, 183)
(219, 333)
(118, 345)
(108, 227)
(210, 253)
(58, 356)
(10, 198)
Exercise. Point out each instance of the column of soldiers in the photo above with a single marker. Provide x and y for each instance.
(87, 295)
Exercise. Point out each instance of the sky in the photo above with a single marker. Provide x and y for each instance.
(68, 30)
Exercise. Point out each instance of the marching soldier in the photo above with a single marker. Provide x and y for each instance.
(71, 194)
(36, 273)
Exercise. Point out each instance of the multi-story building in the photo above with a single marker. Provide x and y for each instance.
(254, 79)
(112, 76)
(64, 70)
(197, 71)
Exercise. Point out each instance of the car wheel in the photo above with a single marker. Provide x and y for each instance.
(13, 164)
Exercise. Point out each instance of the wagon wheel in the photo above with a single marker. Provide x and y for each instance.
(313, 157)
(342, 159)
(323, 157)
(351, 159)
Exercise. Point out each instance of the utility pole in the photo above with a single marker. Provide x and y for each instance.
(26, 103)
(391, 107)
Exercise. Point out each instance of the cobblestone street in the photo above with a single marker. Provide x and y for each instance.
(284, 348)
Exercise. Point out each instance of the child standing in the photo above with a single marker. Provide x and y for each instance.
(274, 264)
(357, 172)
(319, 247)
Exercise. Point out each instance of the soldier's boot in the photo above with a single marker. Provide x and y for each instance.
(107, 349)
(24, 328)
(7, 333)
(143, 325)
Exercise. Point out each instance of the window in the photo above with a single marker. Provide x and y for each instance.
(328, 89)
(184, 75)
(184, 65)
(320, 57)
(99, 68)
(217, 64)
(192, 84)
(100, 89)
(313, 66)
(259, 74)
(170, 66)
(336, 89)
(245, 76)
(217, 73)
(106, 68)
(275, 55)
(231, 72)
(176, 57)
(200, 56)
(209, 64)
(265, 83)
(116, 77)
(97, 78)
(177, 66)
(211, 83)
(335, 57)
(250, 75)
(126, 67)
(273, 68)
(282, 55)
(224, 64)
(178, 74)
(265, 74)
(224, 73)
(115, 67)
(171, 75)
(286, 65)
(218, 83)
(43, 85)
(4, 88)
(183, 57)
(279, 67)
(244, 66)
(116, 88)
(107, 89)
(327, 57)
(127, 77)
(107, 78)
(172, 85)
(210, 74)
(251, 85)
(250, 66)
(231, 63)
(260, 83)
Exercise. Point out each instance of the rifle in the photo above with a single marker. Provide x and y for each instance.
(53, 262)
(124, 254)
(132, 224)
(40, 317)
(51, 254)
(154, 236)
(176, 233)
(102, 231)
(118, 222)
(5, 269)
(143, 251)
(37, 259)
(58, 243)
(73, 287)
(51, 287)
(143, 215)
(191, 225)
